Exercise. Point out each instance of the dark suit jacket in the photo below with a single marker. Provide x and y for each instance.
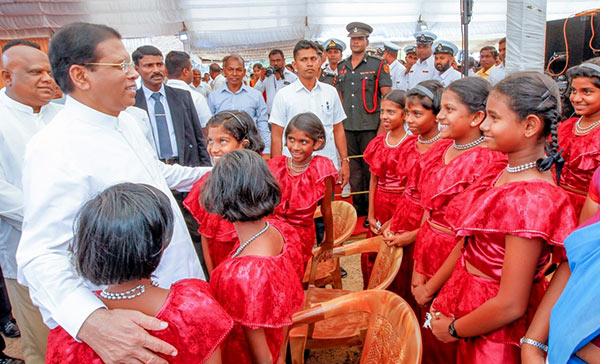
(188, 131)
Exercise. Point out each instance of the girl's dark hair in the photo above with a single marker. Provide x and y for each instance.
(472, 91)
(310, 124)
(417, 94)
(240, 126)
(241, 188)
(579, 71)
(533, 93)
(120, 234)
(398, 97)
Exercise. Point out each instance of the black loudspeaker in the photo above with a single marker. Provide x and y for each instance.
(579, 30)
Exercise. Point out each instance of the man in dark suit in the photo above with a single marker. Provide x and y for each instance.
(175, 127)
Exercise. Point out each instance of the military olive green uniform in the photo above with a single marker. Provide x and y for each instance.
(362, 115)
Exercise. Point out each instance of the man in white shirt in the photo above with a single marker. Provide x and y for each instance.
(218, 80)
(397, 70)
(444, 52)
(179, 75)
(198, 84)
(424, 69)
(307, 94)
(25, 108)
(275, 78)
(498, 73)
(91, 145)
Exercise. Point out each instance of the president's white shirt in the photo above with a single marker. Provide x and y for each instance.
(422, 71)
(18, 123)
(200, 102)
(81, 153)
(323, 100)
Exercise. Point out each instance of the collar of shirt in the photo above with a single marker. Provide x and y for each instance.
(89, 115)
(487, 73)
(244, 88)
(429, 61)
(16, 105)
(298, 85)
(176, 83)
(148, 93)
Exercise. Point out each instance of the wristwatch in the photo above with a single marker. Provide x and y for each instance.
(452, 331)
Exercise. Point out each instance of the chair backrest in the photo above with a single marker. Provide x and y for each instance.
(393, 334)
(344, 221)
(387, 264)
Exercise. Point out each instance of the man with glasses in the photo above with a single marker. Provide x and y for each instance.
(91, 145)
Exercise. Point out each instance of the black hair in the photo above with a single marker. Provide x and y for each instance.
(176, 62)
(305, 44)
(240, 126)
(533, 93)
(579, 71)
(472, 91)
(417, 95)
(398, 97)
(309, 124)
(241, 188)
(214, 68)
(145, 50)
(503, 40)
(490, 49)
(260, 66)
(18, 42)
(120, 234)
(276, 51)
(233, 56)
(76, 44)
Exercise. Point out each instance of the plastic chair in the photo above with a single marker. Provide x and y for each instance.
(392, 330)
(344, 222)
(345, 330)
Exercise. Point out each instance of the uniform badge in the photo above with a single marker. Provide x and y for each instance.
(386, 68)
(331, 44)
(355, 30)
(440, 47)
(422, 38)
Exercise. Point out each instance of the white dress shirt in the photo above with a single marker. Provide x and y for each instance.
(81, 153)
(422, 71)
(323, 100)
(272, 85)
(449, 76)
(17, 125)
(497, 74)
(150, 103)
(199, 101)
(397, 72)
(218, 82)
(203, 88)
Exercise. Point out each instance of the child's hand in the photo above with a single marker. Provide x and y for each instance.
(398, 239)
(418, 279)
(325, 251)
(374, 225)
(422, 295)
(439, 327)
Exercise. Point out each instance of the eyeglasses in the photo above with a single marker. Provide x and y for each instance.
(125, 65)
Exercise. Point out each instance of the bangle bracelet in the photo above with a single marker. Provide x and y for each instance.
(345, 159)
(537, 344)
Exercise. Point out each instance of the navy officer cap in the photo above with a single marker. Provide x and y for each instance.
(390, 47)
(425, 37)
(410, 49)
(334, 44)
(358, 29)
(443, 46)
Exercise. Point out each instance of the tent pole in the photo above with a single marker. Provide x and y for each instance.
(466, 11)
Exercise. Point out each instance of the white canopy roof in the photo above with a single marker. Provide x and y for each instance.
(252, 28)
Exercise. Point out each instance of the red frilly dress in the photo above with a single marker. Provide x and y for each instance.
(259, 292)
(393, 166)
(219, 233)
(486, 214)
(197, 327)
(300, 196)
(582, 157)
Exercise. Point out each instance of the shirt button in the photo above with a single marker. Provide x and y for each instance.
(352, 95)
(352, 83)
(352, 72)
(352, 106)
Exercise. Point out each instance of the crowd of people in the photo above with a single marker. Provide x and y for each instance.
(174, 222)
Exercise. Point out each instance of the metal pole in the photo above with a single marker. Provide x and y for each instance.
(466, 11)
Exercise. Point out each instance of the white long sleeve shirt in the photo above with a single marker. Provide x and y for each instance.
(200, 102)
(81, 153)
(18, 123)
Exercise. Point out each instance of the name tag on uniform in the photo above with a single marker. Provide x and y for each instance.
(425, 71)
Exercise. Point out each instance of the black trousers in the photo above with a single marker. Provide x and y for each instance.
(5, 308)
(360, 176)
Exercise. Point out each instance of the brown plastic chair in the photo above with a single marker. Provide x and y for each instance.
(392, 330)
(345, 330)
(344, 222)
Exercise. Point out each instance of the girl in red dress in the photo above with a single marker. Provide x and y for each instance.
(422, 107)
(258, 284)
(120, 236)
(227, 131)
(305, 180)
(579, 136)
(510, 223)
